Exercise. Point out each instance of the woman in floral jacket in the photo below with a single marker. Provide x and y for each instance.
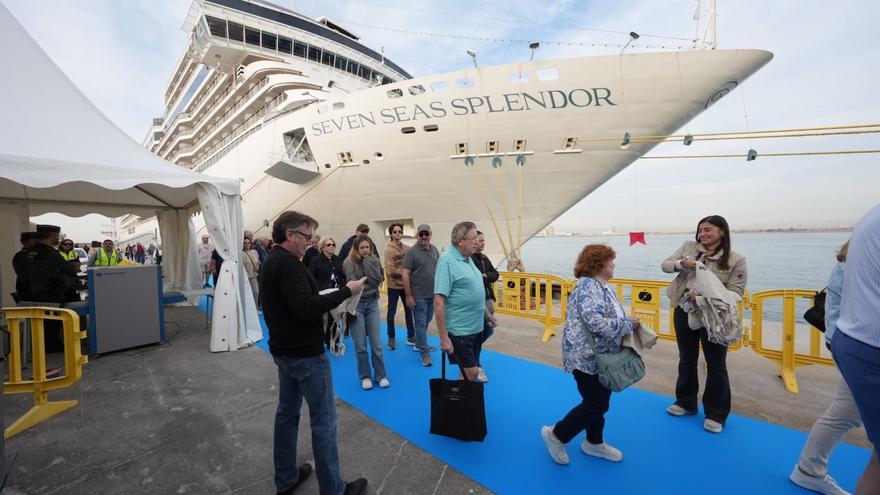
(592, 307)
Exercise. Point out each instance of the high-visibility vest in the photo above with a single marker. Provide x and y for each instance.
(71, 255)
(103, 260)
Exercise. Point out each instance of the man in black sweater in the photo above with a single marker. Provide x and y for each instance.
(294, 311)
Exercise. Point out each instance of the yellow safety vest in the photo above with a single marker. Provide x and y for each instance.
(70, 255)
(102, 259)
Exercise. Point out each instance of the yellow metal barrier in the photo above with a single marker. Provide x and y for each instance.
(39, 385)
(531, 295)
(545, 297)
(787, 356)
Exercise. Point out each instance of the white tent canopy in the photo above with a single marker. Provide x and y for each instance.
(59, 153)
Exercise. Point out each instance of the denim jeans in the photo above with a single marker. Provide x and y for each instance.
(716, 396)
(365, 326)
(828, 431)
(589, 415)
(308, 378)
(393, 296)
(423, 314)
(859, 363)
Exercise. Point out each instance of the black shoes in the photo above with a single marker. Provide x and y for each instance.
(305, 470)
(356, 487)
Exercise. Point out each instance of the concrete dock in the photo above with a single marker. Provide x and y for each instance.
(176, 418)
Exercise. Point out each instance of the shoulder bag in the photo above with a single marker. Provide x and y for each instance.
(620, 370)
(457, 408)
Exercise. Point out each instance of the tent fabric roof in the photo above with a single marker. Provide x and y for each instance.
(60, 153)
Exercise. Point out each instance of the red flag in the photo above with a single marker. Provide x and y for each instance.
(636, 237)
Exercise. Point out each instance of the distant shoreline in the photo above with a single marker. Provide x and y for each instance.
(790, 230)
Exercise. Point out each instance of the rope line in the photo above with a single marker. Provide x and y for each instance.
(772, 131)
(804, 153)
(476, 178)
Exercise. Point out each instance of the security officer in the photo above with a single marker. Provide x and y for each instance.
(20, 265)
(52, 279)
(106, 256)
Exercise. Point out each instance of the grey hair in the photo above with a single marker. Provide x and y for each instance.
(460, 230)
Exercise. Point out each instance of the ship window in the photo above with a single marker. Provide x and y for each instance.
(314, 53)
(236, 31)
(492, 147)
(461, 149)
(327, 58)
(408, 130)
(387, 80)
(340, 62)
(252, 36)
(416, 90)
(285, 44)
(352, 67)
(519, 145)
(366, 162)
(300, 49)
(465, 82)
(439, 86)
(548, 75)
(217, 26)
(378, 77)
(518, 77)
(270, 41)
(431, 127)
(365, 72)
(395, 93)
(338, 105)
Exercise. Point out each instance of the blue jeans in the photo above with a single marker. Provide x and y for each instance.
(859, 363)
(423, 314)
(308, 378)
(366, 325)
(393, 296)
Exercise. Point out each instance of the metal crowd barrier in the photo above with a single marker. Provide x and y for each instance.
(544, 298)
(39, 384)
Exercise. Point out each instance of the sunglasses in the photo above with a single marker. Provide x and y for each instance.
(329, 245)
(424, 233)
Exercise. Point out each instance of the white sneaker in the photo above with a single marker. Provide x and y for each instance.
(554, 446)
(677, 410)
(712, 426)
(481, 377)
(384, 383)
(366, 384)
(825, 485)
(602, 450)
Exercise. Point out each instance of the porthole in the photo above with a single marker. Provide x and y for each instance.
(416, 89)
(379, 156)
(408, 130)
(366, 162)
(338, 105)
(431, 127)
(326, 165)
(395, 93)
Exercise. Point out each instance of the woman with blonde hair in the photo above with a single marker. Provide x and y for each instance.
(362, 263)
(842, 415)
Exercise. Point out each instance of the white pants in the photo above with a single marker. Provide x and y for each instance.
(255, 288)
(840, 417)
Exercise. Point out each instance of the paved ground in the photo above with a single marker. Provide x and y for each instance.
(178, 419)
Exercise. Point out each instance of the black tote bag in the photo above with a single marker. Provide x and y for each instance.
(457, 408)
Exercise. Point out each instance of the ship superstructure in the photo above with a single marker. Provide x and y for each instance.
(311, 119)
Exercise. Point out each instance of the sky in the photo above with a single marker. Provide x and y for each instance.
(824, 73)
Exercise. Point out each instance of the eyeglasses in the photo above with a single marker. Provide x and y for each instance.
(424, 233)
(329, 245)
(307, 236)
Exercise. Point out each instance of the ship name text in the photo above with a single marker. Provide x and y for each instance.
(553, 99)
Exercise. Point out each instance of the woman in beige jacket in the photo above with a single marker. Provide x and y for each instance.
(712, 248)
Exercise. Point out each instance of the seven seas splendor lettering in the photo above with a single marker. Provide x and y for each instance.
(511, 102)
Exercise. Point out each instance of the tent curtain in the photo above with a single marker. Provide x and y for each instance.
(234, 321)
(13, 221)
(180, 266)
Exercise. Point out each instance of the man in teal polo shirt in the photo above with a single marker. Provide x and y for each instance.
(459, 301)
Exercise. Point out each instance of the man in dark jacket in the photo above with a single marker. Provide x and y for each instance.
(51, 279)
(20, 266)
(294, 311)
(362, 229)
(490, 276)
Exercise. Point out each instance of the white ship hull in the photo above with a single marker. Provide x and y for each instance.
(425, 177)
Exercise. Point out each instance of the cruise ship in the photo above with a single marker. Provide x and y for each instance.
(309, 118)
